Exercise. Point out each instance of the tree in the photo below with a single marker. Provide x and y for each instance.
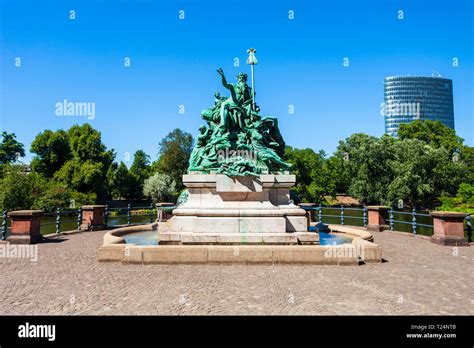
(52, 151)
(88, 168)
(336, 165)
(391, 171)
(433, 133)
(139, 171)
(10, 149)
(160, 187)
(174, 152)
(121, 182)
(419, 174)
(462, 202)
(366, 163)
(467, 157)
(313, 174)
(19, 190)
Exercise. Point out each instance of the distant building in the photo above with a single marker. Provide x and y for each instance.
(409, 98)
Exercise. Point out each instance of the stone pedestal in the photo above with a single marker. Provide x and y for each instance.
(448, 228)
(378, 218)
(161, 214)
(25, 226)
(92, 217)
(218, 204)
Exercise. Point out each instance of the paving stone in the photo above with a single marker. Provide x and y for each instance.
(418, 278)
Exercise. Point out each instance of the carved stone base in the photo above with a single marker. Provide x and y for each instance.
(218, 204)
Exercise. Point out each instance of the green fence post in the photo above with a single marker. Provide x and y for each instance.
(106, 215)
(413, 220)
(391, 219)
(79, 218)
(342, 214)
(4, 225)
(58, 220)
(469, 228)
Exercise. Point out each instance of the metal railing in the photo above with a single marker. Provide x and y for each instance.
(62, 219)
(59, 221)
(355, 215)
(126, 212)
(358, 216)
(413, 219)
(344, 213)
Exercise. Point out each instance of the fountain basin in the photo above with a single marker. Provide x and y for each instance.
(356, 248)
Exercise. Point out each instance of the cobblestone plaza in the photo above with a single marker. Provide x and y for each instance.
(417, 277)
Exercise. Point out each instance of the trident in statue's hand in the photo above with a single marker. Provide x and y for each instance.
(252, 60)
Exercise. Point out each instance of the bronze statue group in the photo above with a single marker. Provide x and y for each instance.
(237, 140)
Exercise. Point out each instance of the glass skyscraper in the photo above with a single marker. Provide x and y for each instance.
(408, 98)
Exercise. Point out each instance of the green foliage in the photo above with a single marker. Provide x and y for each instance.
(89, 165)
(160, 188)
(86, 144)
(467, 157)
(433, 133)
(337, 167)
(175, 150)
(22, 190)
(10, 149)
(53, 195)
(79, 198)
(19, 190)
(82, 176)
(421, 173)
(139, 171)
(388, 171)
(52, 151)
(365, 162)
(122, 182)
(314, 174)
(462, 202)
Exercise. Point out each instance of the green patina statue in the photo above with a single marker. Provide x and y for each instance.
(237, 140)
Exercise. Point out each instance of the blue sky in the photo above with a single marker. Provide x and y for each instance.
(174, 62)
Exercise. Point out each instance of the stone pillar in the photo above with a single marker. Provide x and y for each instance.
(25, 226)
(92, 217)
(448, 228)
(378, 218)
(163, 215)
(308, 212)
